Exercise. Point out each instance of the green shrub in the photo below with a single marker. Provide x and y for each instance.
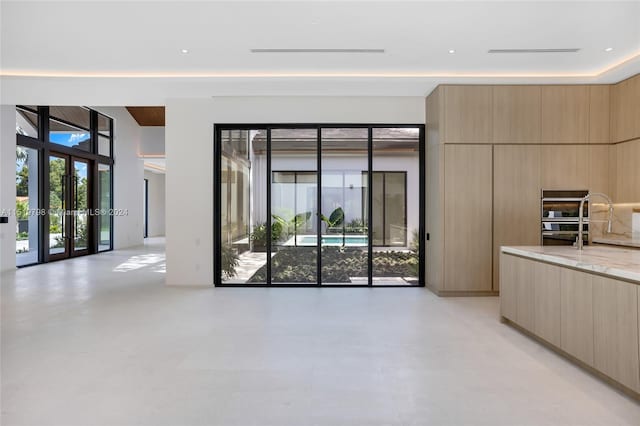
(229, 261)
(259, 235)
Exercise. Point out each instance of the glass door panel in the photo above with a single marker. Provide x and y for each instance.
(58, 204)
(104, 200)
(344, 242)
(294, 210)
(27, 213)
(80, 197)
(396, 209)
(244, 208)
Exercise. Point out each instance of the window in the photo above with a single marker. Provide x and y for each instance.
(310, 205)
(27, 190)
(64, 157)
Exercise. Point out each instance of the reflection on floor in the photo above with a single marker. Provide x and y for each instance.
(27, 257)
(90, 341)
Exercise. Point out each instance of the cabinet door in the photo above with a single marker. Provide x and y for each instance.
(599, 113)
(565, 167)
(576, 314)
(547, 303)
(627, 172)
(516, 198)
(615, 308)
(467, 114)
(625, 110)
(565, 114)
(516, 114)
(508, 276)
(467, 218)
(525, 293)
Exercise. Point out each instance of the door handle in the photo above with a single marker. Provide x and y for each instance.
(62, 202)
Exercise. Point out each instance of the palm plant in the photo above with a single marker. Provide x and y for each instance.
(294, 223)
(336, 218)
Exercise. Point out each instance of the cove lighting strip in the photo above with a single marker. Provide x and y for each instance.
(242, 75)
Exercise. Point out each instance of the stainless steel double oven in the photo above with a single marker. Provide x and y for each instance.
(559, 216)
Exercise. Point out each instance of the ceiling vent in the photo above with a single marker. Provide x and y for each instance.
(317, 50)
(569, 50)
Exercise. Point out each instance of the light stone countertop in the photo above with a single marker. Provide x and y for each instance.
(615, 262)
(618, 240)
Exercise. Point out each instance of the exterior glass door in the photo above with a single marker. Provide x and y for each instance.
(68, 216)
(79, 214)
(58, 229)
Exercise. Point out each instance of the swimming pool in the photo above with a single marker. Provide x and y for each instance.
(333, 240)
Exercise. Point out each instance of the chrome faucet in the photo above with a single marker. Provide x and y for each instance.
(580, 243)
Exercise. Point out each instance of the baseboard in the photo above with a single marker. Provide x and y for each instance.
(461, 293)
(466, 293)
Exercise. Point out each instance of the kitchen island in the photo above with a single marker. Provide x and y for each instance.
(583, 304)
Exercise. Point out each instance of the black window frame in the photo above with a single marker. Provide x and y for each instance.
(45, 147)
(218, 128)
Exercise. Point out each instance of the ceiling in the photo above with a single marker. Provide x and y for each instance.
(127, 55)
(148, 116)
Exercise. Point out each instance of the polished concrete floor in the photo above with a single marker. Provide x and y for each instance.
(101, 341)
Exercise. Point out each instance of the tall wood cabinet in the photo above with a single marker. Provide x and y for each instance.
(491, 149)
(516, 198)
(467, 217)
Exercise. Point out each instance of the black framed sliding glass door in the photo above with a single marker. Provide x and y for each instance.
(310, 205)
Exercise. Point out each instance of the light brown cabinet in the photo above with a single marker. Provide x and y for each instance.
(615, 310)
(516, 198)
(627, 167)
(467, 217)
(546, 302)
(593, 318)
(467, 114)
(576, 314)
(551, 137)
(508, 297)
(516, 114)
(525, 287)
(517, 299)
(625, 110)
(565, 167)
(565, 114)
(598, 168)
(599, 113)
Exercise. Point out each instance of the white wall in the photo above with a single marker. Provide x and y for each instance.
(127, 178)
(152, 140)
(8, 186)
(156, 203)
(189, 150)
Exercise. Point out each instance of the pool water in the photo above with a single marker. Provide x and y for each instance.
(349, 240)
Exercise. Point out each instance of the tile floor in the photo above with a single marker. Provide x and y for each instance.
(120, 348)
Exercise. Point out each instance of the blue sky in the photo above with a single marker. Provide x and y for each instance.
(68, 138)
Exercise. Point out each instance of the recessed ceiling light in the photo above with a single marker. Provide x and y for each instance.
(452, 51)
(185, 51)
(608, 49)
